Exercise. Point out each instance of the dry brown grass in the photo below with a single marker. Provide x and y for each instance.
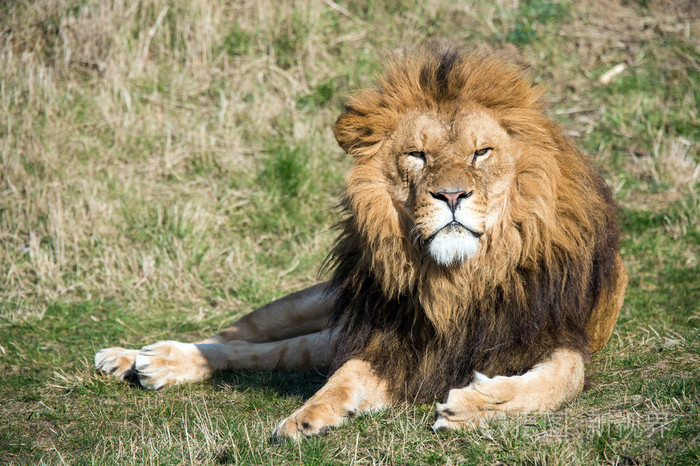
(103, 113)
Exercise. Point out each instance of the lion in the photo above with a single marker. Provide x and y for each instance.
(477, 260)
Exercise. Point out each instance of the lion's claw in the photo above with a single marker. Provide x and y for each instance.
(305, 422)
(118, 362)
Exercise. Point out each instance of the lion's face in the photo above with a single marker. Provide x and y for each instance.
(459, 175)
(448, 179)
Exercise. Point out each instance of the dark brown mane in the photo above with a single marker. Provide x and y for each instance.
(427, 328)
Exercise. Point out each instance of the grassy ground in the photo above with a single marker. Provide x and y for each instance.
(167, 166)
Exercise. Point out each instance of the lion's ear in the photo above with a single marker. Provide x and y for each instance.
(347, 130)
(358, 135)
(353, 132)
(360, 130)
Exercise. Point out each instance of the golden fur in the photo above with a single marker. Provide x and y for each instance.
(477, 260)
(547, 251)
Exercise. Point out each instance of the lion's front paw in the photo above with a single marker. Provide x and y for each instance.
(307, 421)
(116, 361)
(474, 405)
(169, 363)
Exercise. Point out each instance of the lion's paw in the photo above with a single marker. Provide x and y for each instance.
(170, 363)
(474, 405)
(306, 422)
(118, 362)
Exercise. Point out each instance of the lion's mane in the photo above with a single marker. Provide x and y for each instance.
(544, 266)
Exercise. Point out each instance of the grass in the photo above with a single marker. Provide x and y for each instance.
(168, 166)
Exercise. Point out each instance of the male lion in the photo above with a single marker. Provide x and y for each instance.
(478, 260)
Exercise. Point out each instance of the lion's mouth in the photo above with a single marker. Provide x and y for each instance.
(453, 244)
(454, 225)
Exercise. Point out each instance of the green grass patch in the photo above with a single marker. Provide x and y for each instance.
(533, 16)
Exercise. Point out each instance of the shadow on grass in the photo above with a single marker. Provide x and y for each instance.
(301, 384)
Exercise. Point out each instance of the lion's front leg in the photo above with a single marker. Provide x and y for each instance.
(543, 388)
(353, 389)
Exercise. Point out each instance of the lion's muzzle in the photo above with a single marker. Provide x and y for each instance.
(452, 197)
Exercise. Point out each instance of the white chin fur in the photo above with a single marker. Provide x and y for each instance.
(451, 246)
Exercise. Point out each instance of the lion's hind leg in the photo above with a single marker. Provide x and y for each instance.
(543, 388)
(254, 338)
(171, 362)
(300, 313)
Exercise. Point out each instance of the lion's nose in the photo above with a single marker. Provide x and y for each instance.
(452, 198)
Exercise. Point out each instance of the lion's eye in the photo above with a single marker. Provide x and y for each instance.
(481, 153)
(418, 154)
